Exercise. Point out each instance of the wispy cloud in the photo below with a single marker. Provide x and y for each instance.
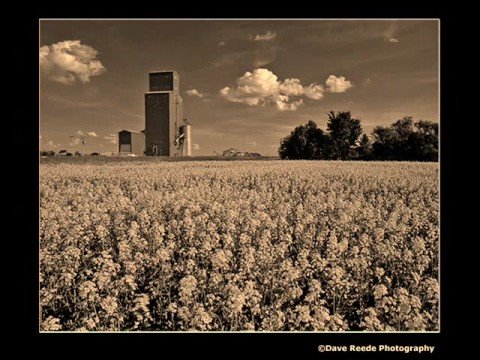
(389, 35)
(264, 55)
(52, 145)
(111, 138)
(60, 100)
(268, 36)
(258, 55)
(68, 61)
(195, 92)
(74, 142)
(69, 103)
(230, 58)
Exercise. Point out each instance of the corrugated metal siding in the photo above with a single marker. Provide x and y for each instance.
(124, 141)
(125, 148)
(138, 144)
(157, 118)
(163, 113)
(164, 81)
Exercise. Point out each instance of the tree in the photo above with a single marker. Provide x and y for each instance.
(403, 140)
(364, 149)
(77, 153)
(406, 140)
(304, 142)
(385, 143)
(404, 147)
(404, 128)
(425, 140)
(344, 132)
(47, 153)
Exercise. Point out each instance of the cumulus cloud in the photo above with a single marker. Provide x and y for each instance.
(196, 147)
(70, 60)
(283, 103)
(111, 138)
(291, 87)
(268, 36)
(92, 134)
(262, 87)
(314, 91)
(393, 40)
(195, 92)
(80, 133)
(222, 43)
(338, 84)
(259, 87)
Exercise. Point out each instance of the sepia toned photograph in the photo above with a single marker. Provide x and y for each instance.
(239, 175)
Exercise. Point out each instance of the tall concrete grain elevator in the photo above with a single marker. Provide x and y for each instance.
(166, 132)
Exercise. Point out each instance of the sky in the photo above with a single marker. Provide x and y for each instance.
(245, 83)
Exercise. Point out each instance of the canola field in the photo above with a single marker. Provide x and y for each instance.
(239, 246)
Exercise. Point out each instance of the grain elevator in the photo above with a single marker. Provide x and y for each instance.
(166, 131)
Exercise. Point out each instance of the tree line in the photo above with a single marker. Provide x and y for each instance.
(49, 153)
(344, 139)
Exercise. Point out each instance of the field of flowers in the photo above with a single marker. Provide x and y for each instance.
(233, 246)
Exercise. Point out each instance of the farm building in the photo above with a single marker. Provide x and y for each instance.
(131, 142)
(166, 132)
(163, 114)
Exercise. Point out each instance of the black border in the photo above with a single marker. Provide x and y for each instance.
(299, 345)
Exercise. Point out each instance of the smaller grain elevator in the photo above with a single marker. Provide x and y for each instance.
(131, 142)
(184, 140)
(187, 143)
